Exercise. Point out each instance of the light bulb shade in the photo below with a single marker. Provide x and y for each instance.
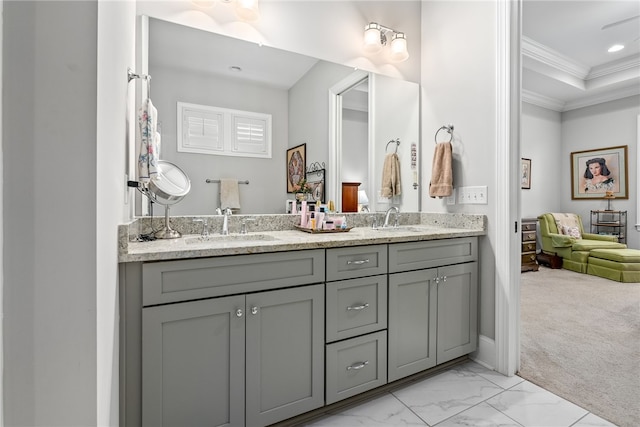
(398, 47)
(247, 10)
(362, 197)
(372, 36)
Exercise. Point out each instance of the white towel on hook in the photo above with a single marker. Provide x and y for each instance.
(148, 158)
(229, 194)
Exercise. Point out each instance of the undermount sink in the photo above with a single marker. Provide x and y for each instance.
(402, 229)
(221, 238)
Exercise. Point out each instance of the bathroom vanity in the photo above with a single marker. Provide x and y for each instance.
(258, 329)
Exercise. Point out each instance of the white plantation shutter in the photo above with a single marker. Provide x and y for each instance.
(221, 131)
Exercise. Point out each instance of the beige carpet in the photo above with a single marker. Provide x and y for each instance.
(580, 339)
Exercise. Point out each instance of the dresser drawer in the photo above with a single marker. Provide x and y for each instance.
(528, 258)
(529, 226)
(359, 261)
(434, 253)
(355, 366)
(356, 307)
(529, 236)
(181, 280)
(528, 246)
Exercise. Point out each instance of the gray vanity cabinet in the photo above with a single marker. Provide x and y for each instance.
(432, 304)
(193, 363)
(194, 356)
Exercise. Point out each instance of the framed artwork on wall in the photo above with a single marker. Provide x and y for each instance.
(596, 173)
(315, 181)
(296, 166)
(525, 174)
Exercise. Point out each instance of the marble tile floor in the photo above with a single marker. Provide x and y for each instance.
(465, 395)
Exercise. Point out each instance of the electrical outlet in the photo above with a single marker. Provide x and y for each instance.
(451, 200)
(472, 195)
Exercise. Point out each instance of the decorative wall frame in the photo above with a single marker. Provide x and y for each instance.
(315, 180)
(296, 166)
(596, 172)
(525, 174)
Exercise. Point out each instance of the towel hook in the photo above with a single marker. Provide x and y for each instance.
(448, 128)
(395, 141)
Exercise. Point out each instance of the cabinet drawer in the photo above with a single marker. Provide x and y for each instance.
(171, 281)
(356, 307)
(528, 246)
(359, 261)
(435, 253)
(529, 236)
(528, 258)
(528, 226)
(356, 365)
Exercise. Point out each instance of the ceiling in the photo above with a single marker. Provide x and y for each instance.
(565, 60)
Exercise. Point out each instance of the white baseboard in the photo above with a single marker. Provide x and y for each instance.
(485, 355)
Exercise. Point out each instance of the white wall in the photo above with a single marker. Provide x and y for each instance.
(50, 218)
(355, 151)
(542, 143)
(459, 87)
(604, 125)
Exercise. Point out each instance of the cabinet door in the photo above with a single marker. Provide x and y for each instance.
(412, 322)
(285, 354)
(193, 363)
(457, 311)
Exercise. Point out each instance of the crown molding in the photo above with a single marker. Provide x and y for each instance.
(547, 102)
(614, 67)
(611, 95)
(554, 59)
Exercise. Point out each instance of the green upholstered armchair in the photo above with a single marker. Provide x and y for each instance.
(574, 251)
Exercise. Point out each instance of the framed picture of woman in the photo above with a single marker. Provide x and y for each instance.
(596, 172)
(296, 166)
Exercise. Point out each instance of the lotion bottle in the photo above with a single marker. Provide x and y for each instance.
(303, 214)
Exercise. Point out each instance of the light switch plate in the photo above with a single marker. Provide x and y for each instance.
(451, 200)
(473, 195)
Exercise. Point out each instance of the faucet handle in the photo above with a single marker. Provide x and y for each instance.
(374, 222)
(243, 226)
(205, 229)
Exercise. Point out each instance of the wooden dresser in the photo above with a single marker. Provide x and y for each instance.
(528, 256)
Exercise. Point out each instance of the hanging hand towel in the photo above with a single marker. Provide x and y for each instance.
(148, 158)
(229, 194)
(391, 183)
(441, 173)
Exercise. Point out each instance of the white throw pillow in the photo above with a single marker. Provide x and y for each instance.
(571, 231)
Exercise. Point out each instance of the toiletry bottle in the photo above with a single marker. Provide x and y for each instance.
(320, 218)
(303, 214)
(312, 220)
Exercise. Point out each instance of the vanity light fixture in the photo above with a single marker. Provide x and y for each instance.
(375, 38)
(247, 10)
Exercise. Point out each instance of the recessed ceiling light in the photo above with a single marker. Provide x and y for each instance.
(615, 48)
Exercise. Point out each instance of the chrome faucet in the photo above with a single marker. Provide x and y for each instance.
(386, 216)
(205, 226)
(225, 221)
(243, 226)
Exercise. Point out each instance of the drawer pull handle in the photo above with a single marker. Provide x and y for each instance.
(358, 307)
(359, 262)
(254, 310)
(239, 312)
(358, 365)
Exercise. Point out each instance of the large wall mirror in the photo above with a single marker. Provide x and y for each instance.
(193, 66)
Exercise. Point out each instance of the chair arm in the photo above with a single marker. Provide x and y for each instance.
(605, 238)
(561, 240)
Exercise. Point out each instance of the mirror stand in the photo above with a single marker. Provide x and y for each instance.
(167, 232)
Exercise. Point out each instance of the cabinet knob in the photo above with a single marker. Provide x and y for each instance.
(358, 307)
(239, 312)
(357, 365)
(444, 278)
(254, 310)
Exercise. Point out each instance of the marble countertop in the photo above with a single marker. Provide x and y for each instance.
(287, 238)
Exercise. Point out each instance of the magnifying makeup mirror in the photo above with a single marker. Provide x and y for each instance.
(168, 187)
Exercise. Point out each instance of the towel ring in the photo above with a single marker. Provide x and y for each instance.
(448, 128)
(395, 141)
